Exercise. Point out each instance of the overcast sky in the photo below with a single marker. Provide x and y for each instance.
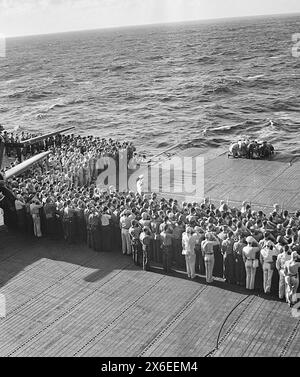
(22, 17)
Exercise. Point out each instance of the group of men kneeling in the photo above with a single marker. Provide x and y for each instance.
(251, 149)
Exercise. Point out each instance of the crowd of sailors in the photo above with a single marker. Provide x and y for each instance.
(90, 147)
(246, 247)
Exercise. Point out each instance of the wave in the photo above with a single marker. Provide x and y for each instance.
(166, 99)
(155, 58)
(218, 90)
(206, 59)
(284, 105)
(251, 78)
(61, 104)
(35, 96)
(16, 95)
(116, 68)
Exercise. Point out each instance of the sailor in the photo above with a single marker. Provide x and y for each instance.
(115, 226)
(125, 223)
(134, 232)
(80, 221)
(240, 273)
(146, 240)
(140, 185)
(199, 237)
(20, 209)
(228, 258)
(291, 273)
(251, 262)
(188, 250)
(252, 149)
(90, 213)
(35, 207)
(106, 229)
(282, 258)
(268, 255)
(156, 250)
(97, 233)
(207, 247)
(69, 222)
(166, 246)
(50, 216)
(234, 150)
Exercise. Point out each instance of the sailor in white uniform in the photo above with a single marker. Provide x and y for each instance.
(282, 258)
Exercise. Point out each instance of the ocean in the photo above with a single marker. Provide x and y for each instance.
(196, 84)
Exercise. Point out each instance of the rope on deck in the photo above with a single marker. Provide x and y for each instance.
(290, 340)
(231, 328)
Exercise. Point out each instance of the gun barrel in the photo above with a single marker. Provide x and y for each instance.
(20, 168)
(42, 137)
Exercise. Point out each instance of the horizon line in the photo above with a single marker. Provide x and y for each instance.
(152, 24)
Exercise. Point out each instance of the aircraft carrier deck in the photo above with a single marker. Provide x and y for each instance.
(66, 300)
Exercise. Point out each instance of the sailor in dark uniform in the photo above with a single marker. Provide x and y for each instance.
(50, 217)
(134, 232)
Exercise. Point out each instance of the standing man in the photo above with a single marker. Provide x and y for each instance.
(251, 262)
(35, 213)
(291, 272)
(50, 216)
(135, 232)
(239, 266)
(207, 247)
(146, 241)
(166, 246)
(188, 250)
(267, 259)
(282, 258)
(20, 209)
(106, 229)
(125, 223)
(227, 251)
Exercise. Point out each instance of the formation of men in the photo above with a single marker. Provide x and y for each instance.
(60, 199)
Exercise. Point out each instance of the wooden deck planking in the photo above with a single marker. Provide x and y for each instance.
(261, 182)
(123, 311)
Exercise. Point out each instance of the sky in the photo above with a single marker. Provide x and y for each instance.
(26, 17)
